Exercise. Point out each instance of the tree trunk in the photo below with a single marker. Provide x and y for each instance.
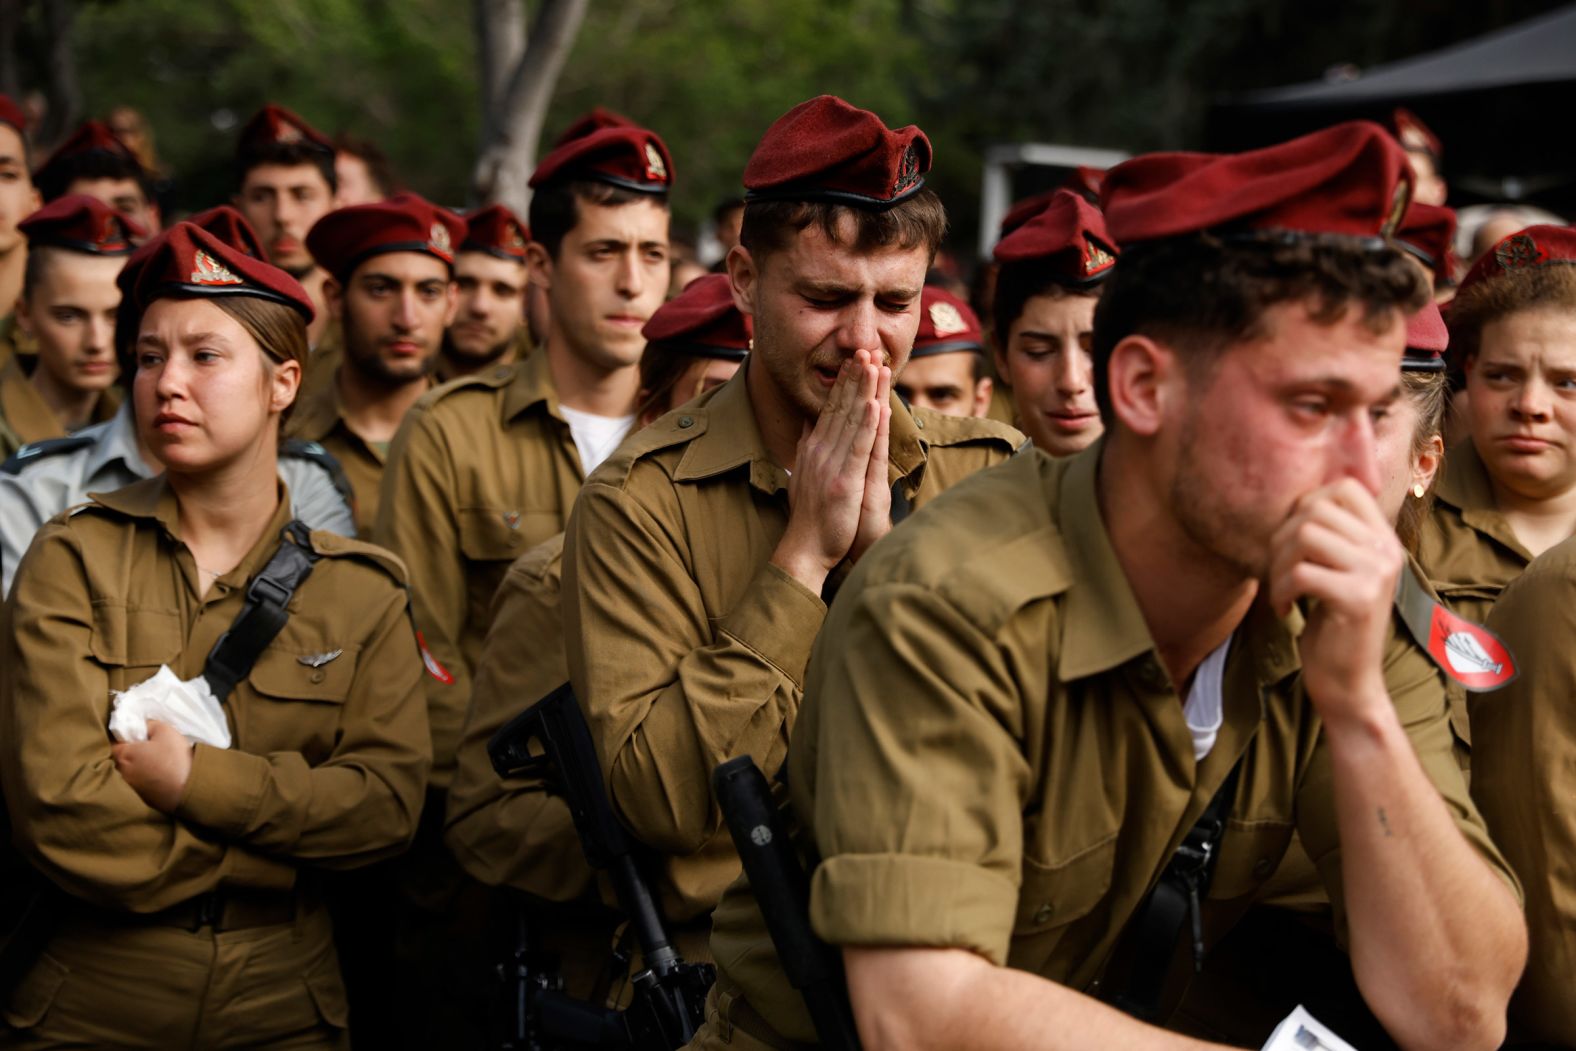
(10, 27)
(65, 90)
(508, 155)
(500, 44)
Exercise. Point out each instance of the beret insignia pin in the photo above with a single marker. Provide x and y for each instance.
(1399, 201)
(908, 172)
(209, 271)
(655, 169)
(287, 133)
(438, 237)
(1097, 258)
(1518, 253)
(946, 320)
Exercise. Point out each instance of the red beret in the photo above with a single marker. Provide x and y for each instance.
(231, 227)
(344, 238)
(946, 324)
(497, 231)
(628, 157)
(1536, 246)
(594, 119)
(82, 224)
(1350, 179)
(1413, 134)
(1426, 340)
(702, 321)
(189, 261)
(828, 150)
(93, 137)
(1085, 182)
(1068, 234)
(1022, 211)
(11, 113)
(1428, 231)
(277, 126)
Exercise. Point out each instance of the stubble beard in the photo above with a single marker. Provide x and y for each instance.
(372, 368)
(1232, 537)
(469, 358)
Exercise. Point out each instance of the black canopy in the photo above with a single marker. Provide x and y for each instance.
(1500, 103)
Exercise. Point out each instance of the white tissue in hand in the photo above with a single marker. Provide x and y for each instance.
(188, 706)
(1303, 1032)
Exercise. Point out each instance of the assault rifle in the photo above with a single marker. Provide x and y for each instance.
(550, 741)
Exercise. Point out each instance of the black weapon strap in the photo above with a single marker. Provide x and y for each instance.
(265, 612)
(1173, 901)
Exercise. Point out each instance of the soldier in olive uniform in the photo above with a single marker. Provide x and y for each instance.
(1050, 271)
(391, 292)
(76, 248)
(699, 557)
(1509, 492)
(946, 369)
(510, 832)
(489, 269)
(489, 466)
(188, 902)
(1000, 753)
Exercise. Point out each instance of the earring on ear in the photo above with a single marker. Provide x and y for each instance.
(1418, 490)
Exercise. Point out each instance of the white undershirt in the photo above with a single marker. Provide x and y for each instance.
(595, 436)
(1204, 709)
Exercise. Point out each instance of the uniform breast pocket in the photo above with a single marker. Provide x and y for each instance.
(299, 701)
(131, 642)
(1055, 894)
(1250, 853)
(501, 533)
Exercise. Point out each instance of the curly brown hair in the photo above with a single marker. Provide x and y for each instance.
(915, 221)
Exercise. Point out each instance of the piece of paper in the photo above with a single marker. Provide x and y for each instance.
(1303, 1032)
(189, 706)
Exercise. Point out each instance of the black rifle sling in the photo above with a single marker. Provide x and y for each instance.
(1174, 901)
(265, 612)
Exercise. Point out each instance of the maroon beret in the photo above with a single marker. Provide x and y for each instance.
(276, 126)
(497, 231)
(82, 224)
(1536, 246)
(702, 321)
(1022, 211)
(1428, 231)
(93, 137)
(1069, 235)
(189, 261)
(1085, 182)
(594, 119)
(345, 237)
(628, 157)
(946, 324)
(1410, 131)
(1350, 179)
(1426, 340)
(231, 227)
(11, 113)
(828, 150)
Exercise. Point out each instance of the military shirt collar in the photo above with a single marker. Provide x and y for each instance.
(21, 406)
(532, 385)
(1104, 627)
(731, 438)
(152, 498)
(316, 417)
(1464, 485)
(118, 442)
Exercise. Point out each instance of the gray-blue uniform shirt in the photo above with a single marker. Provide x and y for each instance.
(45, 478)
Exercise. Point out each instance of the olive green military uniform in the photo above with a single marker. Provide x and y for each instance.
(1468, 551)
(987, 673)
(481, 470)
(685, 645)
(14, 342)
(1523, 778)
(24, 415)
(319, 417)
(329, 760)
(508, 832)
(324, 362)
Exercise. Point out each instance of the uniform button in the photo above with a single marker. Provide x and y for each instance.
(501, 371)
(1043, 913)
(1151, 674)
(686, 421)
(1263, 867)
(920, 424)
(319, 675)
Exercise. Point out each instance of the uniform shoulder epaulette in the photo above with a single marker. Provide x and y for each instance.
(666, 432)
(332, 545)
(492, 379)
(941, 429)
(35, 451)
(302, 449)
